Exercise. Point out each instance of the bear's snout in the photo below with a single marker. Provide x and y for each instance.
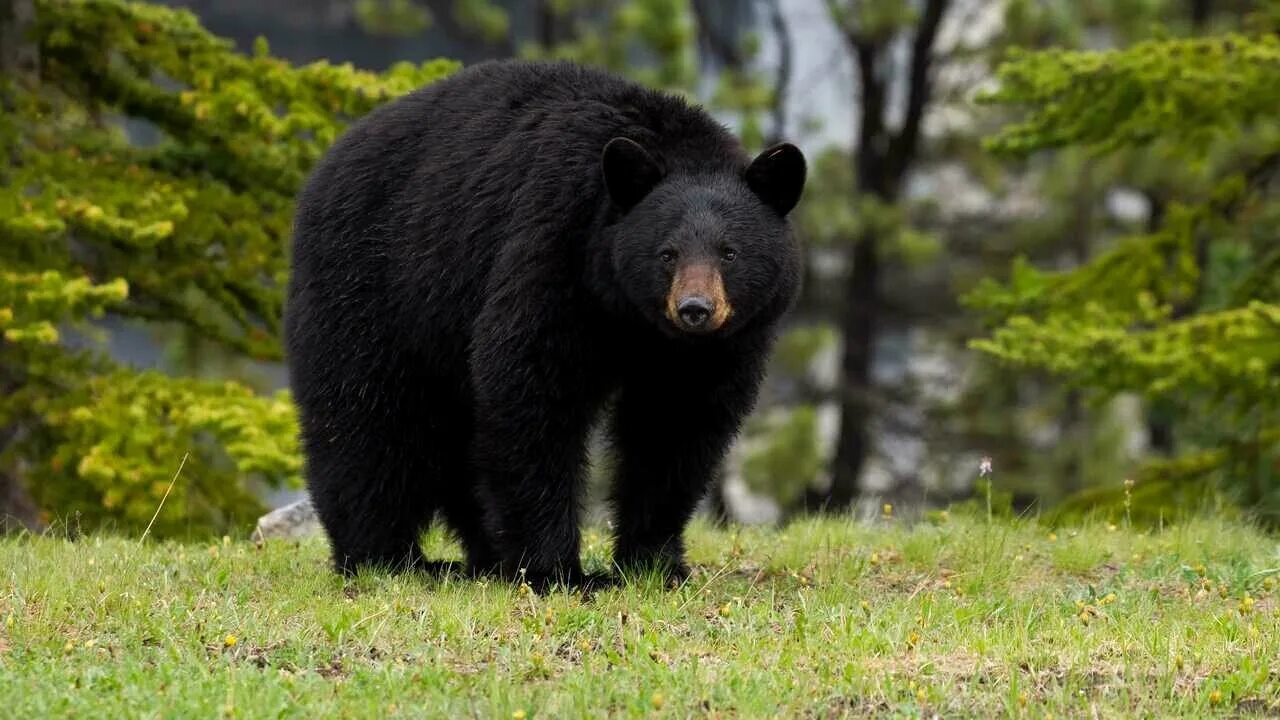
(694, 311)
(697, 301)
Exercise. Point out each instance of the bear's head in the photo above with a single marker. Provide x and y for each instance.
(703, 253)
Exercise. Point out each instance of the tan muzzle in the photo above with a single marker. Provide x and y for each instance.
(696, 302)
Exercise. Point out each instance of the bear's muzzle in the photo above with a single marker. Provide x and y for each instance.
(697, 302)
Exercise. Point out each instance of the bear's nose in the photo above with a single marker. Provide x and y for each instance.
(694, 312)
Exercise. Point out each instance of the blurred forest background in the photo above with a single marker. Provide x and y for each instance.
(1040, 231)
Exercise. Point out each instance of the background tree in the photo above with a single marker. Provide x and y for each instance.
(1184, 313)
(186, 231)
(882, 158)
(963, 214)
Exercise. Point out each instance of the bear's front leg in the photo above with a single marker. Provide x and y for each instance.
(672, 425)
(534, 406)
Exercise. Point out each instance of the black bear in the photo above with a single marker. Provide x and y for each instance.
(485, 266)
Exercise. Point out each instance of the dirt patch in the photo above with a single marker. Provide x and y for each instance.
(1257, 707)
(333, 670)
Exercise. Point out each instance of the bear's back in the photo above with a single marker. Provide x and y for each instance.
(401, 221)
(475, 145)
(484, 105)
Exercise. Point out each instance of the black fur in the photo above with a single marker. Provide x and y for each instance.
(469, 294)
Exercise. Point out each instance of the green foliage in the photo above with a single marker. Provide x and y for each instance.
(650, 41)
(826, 217)
(787, 458)
(187, 231)
(748, 94)
(987, 502)
(799, 346)
(32, 304)
(124, 433)
(871, 18)
(1187, 314)
(1036, 23)
(1232, 353)
(483, 18)
(392, 17)
(1187, 92)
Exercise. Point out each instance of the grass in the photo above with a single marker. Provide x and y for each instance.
(826, 618)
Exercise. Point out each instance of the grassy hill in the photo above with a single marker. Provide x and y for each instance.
(826, 618)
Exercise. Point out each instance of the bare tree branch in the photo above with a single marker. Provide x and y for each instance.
(919, 86)
(552, 26)
(724, 49)
(782, 80)
(869, 55)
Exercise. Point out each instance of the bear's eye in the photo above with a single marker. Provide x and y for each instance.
(667, 256)
(729, 254)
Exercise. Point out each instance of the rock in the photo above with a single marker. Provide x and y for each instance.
(17, 510)
(296, 520)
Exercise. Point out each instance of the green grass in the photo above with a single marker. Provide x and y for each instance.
(826, 618)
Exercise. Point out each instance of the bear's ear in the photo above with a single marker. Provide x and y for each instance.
(630, 172)
(776, 176)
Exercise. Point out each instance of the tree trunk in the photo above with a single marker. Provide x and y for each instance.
(17, 509)
(1159, 416)
(19, 60)
(859, 332)
(18, 54)
(1073, 420)
(552, 27)
(782, 79)
(546, 24)
(1200, 10)
(881, 163)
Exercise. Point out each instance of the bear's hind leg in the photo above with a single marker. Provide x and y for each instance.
(372, 500)
(536, 397)
(458, 500)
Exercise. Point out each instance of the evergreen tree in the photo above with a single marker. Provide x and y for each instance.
(186, 231)
(1187, 313)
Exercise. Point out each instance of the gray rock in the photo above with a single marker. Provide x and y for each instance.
(296, 520)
